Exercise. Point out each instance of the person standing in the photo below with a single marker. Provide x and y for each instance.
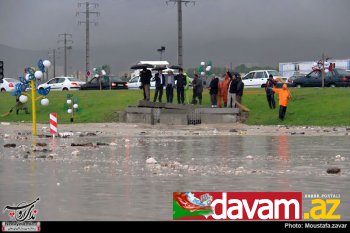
(224, 88)
(269, 93)
(232, 90)
(283, 97)
(146, 76)
(197, 85)
(187, 88)
(240, 88)
(213, 91)
(160, 81)
(180, 87)
(169, 86)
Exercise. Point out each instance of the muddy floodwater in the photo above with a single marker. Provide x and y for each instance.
(109, 178)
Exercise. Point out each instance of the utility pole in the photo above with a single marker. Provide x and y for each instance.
(69, 48)
(179, 27)
(53, 61)
(65, 41)
(87, 22)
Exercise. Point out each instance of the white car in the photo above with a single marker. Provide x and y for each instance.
(8, 84)
(63, 84)
(258, 78)
(135, 83)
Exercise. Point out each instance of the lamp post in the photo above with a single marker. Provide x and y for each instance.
(161, 50)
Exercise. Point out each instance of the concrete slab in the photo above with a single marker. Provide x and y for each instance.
(149, 104)
(219, 110)
(138, 110)
(217, 118)
(139, 118)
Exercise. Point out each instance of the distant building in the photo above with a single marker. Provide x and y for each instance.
(288, 69)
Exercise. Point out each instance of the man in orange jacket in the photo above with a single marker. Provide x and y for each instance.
(283, 98)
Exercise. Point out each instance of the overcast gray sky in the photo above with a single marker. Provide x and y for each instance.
(224, 31)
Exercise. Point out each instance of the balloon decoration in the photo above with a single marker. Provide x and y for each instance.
(205, 68)
(71, 106)
(28, 81)
(321, 64)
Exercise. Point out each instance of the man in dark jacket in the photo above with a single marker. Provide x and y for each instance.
(240, 88)
(197, 85)
(214, 90)
(232, 91)
(180, 86)
(269, 93)
(146, 76)
(160, 81)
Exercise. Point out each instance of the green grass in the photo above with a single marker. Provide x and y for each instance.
(309, 106)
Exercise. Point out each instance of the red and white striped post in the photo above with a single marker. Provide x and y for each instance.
(53, 123)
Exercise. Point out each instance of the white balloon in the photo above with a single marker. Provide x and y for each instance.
(38, 74)
(94, 69)
(315, 64)
(75, 105)
(44, 102)
(23, 99)
(69, 111)
(103, 72)
(326, 63)
(47, 63)
(27, 77)
(202, 73)
(202, 63)
(69, 101)
(96, 75)
(326, 70)
(208, 68)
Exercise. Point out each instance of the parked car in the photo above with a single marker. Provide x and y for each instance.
(8, 84)
(107, 83)
(258, 78)
(62, 84)
(135, 83)
(335, 78)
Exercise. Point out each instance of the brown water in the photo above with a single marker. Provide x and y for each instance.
(115, 183)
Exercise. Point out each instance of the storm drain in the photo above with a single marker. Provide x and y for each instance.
(194, 117)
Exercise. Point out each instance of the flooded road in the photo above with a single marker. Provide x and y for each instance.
(112, 181)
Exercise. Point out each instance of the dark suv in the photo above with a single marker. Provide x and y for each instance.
(335, 78)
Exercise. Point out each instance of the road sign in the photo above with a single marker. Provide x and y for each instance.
(88, 73)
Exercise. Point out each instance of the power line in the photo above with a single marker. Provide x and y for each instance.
(65, 41)
(87, 22)
(179, 26)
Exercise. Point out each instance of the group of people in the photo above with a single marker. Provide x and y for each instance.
(169, 83)
(229, 91)
(225, 93)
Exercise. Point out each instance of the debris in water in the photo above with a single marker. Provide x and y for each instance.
(75, 153)
(333, 170)
(41, 144)
(151, 161)
(82, 144)
(65, 134)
